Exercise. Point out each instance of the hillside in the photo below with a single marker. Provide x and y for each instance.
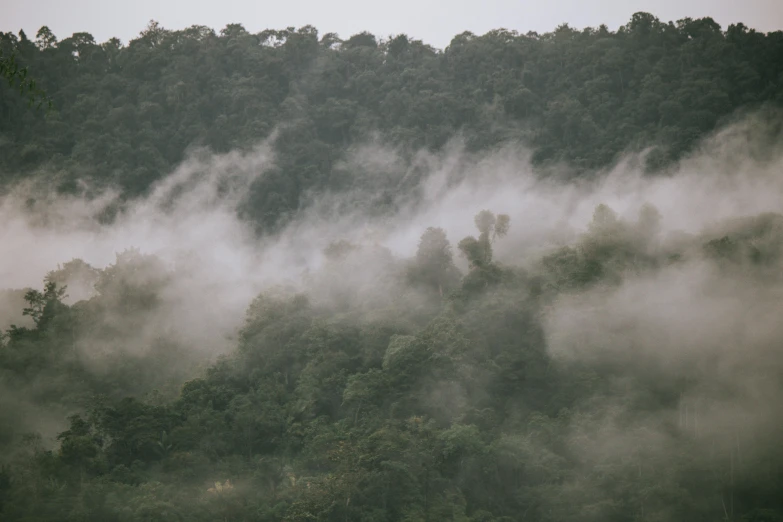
(287, 277)
(552, 393)
(126, 114)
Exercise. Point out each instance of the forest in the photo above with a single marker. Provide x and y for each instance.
(291, 277)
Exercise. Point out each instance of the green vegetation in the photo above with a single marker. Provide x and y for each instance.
(126, 114)
(429, 396)
(623, 375)
(16, 77)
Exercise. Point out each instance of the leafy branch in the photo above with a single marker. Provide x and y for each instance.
(17, 77)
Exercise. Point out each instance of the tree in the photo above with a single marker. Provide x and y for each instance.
(579, 97)
(42, 306)
(377, 388)
(490, 227)
(17, 77)
(45, 39)
(433, 265)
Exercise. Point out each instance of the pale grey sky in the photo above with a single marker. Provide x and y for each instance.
(434, 21)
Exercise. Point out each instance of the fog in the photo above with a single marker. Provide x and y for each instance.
(190, 219)
(715, 329)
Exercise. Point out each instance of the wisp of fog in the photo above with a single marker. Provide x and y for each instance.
(688, 320)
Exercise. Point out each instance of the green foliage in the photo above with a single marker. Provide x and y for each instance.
(42, 305)
(380, 389)
(128, 113)
(433, 266)
(323, 413)
(479, 251)
(17, 78)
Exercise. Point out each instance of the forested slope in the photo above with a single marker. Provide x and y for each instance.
(125, 114)
(425, 394)
(447, 329)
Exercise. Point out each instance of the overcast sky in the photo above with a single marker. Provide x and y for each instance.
(434, 21)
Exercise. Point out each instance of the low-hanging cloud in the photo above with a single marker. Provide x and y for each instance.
(190, 218)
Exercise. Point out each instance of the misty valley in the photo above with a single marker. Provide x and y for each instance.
(291, 277)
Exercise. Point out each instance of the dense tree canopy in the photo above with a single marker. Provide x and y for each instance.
(450, 408)
(622, 375)
(126, 114)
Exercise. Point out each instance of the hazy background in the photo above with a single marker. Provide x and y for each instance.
(436, 21)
